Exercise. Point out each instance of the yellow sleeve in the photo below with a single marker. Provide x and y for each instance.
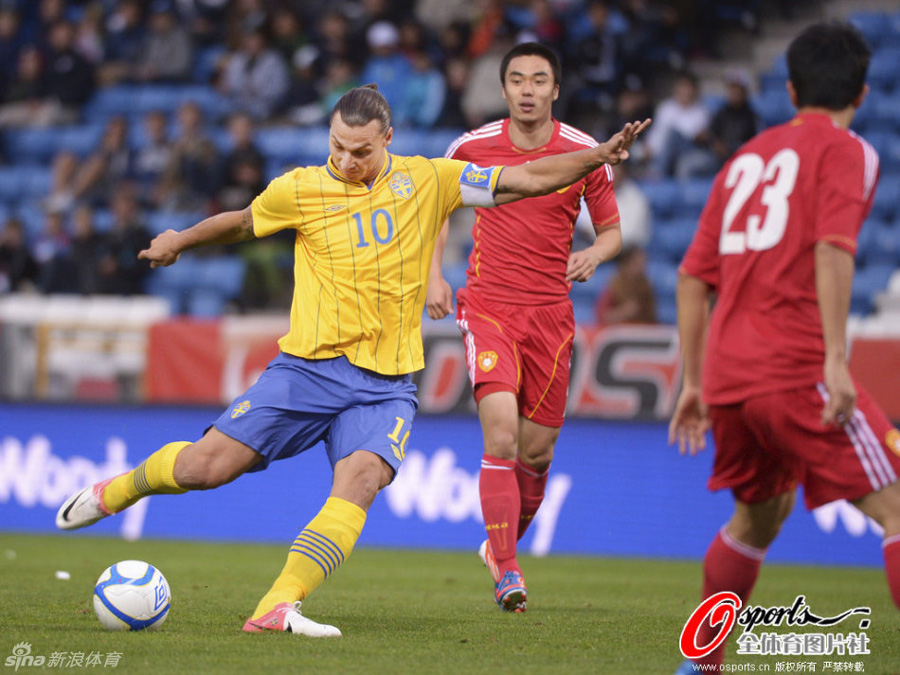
(276, 209)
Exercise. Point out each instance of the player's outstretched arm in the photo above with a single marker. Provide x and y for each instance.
(689, 420)
(439, 297)
(225, 228)
(545, 175)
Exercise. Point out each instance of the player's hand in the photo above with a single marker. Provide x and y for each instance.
(841, 402)
(690, 422)
(439, 298)
(582, 265)
(163, 250)
(615, 150)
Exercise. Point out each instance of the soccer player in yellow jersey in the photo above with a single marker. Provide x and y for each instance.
(366, 225)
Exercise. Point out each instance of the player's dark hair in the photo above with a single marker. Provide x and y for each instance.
(361, 105)
(827, 64)
(531, 49)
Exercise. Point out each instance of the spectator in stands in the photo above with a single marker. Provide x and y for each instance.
(93, 180)
(386, 65)
(456, 72)
(167, 52)
(340, 77)
(12, 41)
(423, 93)
(89, 35)
(736, 122)
(256, 77)
(597, 59)
(52, 252)
(18, 269)
(629, 297)
(334, 42)
(546, 25)
(25, 100)
(634, 209)
(288, 35)
(192, 178)
(153, 156)
(69, 76)
(482, 101)
(302, 102)
(121, 273)
(124, 39)
(88, 249)
(244, 166)
(680, 130)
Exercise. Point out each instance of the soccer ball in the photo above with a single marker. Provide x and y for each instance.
(131, 595)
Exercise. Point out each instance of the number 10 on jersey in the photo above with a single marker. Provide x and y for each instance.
(375, 226)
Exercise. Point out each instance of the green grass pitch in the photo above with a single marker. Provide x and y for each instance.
(403, 612)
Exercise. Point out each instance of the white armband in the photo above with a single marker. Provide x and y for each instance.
(476, 184)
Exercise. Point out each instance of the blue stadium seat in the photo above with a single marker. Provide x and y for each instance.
(773, 106)
(873, 25)
(588, 291)
(883, 72)
(111, 101)
(165, 97)
(666, 310)
(663, 274)
(174, 282)
(32, 216)
(11, 183)
(890, 158)
(885, 245)
(221, 274)
(886, 205)
(409, 142)
(585, 312)
(160, 221)
(694, 193)
(664, 197)
(290, 144)
(455, 275)
(437, 141)
(36, 181)
(205, 303)
(103, 220)
(674, 236)
(868, 281)
(205, 62)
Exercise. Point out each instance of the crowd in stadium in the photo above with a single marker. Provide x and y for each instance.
(77, 226)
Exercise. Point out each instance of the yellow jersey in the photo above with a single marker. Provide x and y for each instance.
(363, 254)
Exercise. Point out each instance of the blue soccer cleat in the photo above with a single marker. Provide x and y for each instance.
(510, 592)
(686, 668)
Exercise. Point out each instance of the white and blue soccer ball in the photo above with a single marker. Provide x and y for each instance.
(131, 595)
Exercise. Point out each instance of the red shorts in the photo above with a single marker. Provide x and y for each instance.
(522, 349)
(768, 444)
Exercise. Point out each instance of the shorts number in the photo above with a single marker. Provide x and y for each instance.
(374, 227)
(747, 172)
(398, 445)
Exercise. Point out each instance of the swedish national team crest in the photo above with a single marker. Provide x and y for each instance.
(240, 409)
(487, 361)
(475, 175)
(401, 185)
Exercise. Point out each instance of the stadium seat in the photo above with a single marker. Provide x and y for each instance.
(585, 312)
(663, 276)
(456, 275)
(111, 101)
(666, 310)
(885, 245)
(773, 106)
(160, 221)
(205, 303)
(674, 236)
(11, 183)
(886, 205)
(883, 73)
(873, 25)
(694, 193)
(664, 197)
(103, 220)
(220, 274)
(868, 281)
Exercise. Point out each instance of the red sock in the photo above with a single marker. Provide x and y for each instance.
(891, 548)
(531, 490)
(500, 507)
(729, 565)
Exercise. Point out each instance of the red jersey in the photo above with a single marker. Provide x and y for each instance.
(788, 188)
(521, 249)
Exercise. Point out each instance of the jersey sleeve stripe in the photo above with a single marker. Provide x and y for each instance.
(574, 134)
(871, 172)
(487, 131)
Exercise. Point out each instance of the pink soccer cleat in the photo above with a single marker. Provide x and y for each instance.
(287, 617)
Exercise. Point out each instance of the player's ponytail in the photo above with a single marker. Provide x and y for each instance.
(361, 105)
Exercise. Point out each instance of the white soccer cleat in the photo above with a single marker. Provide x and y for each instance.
(83, 508)
(287, 617)
(487, 557)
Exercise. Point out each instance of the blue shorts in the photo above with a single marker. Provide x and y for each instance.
(298, 402)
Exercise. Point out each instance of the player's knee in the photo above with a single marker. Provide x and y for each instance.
(537, 459)
(500, 442)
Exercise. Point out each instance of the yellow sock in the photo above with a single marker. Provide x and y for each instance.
(153, 476)
(316, 553)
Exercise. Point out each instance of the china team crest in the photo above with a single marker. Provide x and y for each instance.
(487, 361)
(893, 441)
(401, 185)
